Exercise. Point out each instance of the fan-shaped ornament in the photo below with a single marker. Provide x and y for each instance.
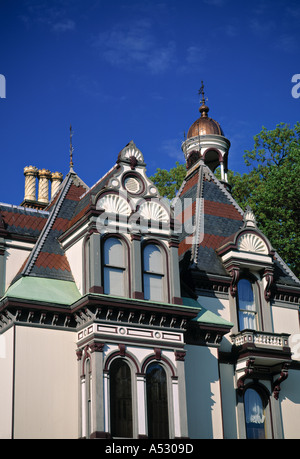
(132, 151)
(252, 243)
(151, 210)
(113, 203)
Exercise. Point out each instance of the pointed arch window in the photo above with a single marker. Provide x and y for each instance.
(114, 270)
(254, 415)
(120, 399)
(246, 306)
(153, 273)
(157, 401)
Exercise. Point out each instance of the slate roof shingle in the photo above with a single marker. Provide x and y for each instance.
(222, 218)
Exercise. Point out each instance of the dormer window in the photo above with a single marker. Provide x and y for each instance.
(248, 257)
(114, 269)
(246, 306)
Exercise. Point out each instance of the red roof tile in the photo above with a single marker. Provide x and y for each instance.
(52, 260)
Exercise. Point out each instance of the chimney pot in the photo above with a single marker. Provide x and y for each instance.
(56, 178)
(44, 176)
(30, 173)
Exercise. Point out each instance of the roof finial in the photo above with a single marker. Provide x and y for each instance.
(71, 149)
(203, 108)
(201, 91)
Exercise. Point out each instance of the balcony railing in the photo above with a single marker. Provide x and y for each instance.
(257, 339)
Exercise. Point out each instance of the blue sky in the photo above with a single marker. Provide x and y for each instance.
(130, 70)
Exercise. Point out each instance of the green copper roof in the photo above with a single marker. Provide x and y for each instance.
(43, 289)
(66, 293)
(205, 316)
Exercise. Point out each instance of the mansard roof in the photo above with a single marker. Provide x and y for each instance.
(218, 218)
(215, 220)
(47, 258)
(21, 222)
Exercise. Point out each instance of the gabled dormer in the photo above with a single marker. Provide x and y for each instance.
(123, 233)
(248, 253)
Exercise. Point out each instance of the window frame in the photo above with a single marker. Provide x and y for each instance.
(256, 284)
(163, 275)
(132, 382)
(124, 269)
(241, 311)
(154, 364)
(265, 397)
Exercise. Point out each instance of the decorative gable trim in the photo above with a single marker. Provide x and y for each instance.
(131, 154)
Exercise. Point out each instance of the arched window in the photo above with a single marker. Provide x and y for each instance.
(114, 267)
(254, 415)
(153, 273)
(157, 402)
(120, 400)
(246, 305)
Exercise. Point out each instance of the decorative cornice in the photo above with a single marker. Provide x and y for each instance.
(201, 334)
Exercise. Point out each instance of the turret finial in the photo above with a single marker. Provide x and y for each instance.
(203, 108)
(71, 148)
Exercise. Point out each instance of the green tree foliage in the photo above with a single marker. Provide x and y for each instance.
(271, 188)
(169, 182)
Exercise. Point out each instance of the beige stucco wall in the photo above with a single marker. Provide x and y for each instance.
(203, 393)
(289, 397)
(46, 384)
(285, 320)
(228, 401)
(75, 258)
(14, 258)
(6, 392)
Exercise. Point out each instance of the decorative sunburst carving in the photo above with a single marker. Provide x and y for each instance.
(252, 243)
(114, 203)
(131, 150)
(153, 211)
